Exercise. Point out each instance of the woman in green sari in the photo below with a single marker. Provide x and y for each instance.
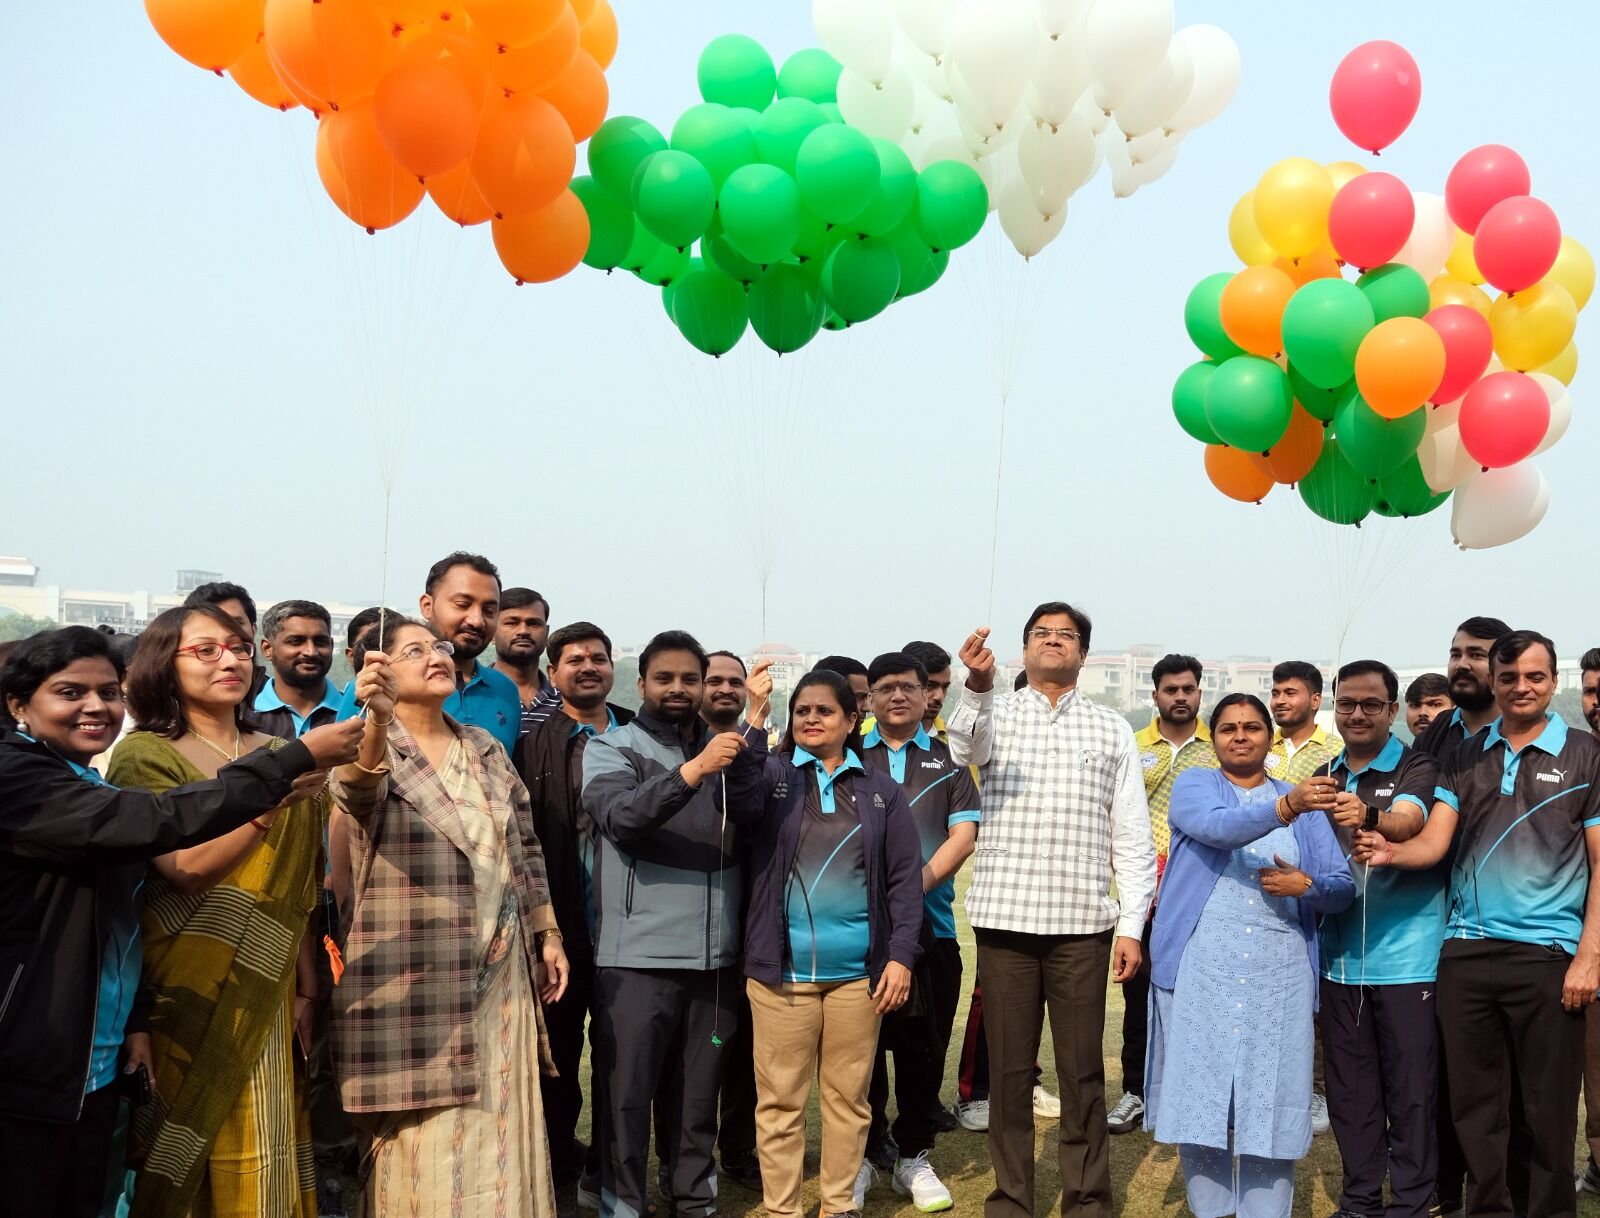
(228, 958)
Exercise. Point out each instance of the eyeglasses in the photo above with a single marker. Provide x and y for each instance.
(1369, 706)
(1039, 633)
(890, 688)
(418, 651)
(210, 653)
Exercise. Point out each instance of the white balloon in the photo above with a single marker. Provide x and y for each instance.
(1445, 463)
(1097, 118)
(1027, 230)
(1560, 410)
(1063, 19)
(1142, 173)
(1054, 162)
(1060, 78)
(993, 46)
(1126, 40)
(1159, 96)
(884, 110)
(1152, 144)
(985, 141)
(927, 73)
(1215, 57)
(858, 33)
(927, 24)
(1499, 506)
(1431, 237)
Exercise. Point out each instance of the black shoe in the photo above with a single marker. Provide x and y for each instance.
(743, 1168)
(1347, 1214)
(944, 1120)
(883, 1155)
(330, 1198)
(567, 1200)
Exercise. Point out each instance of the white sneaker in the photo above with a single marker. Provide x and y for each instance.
(865, 1179)
(1319, 1114)
(1045, 1105)
(973, 1115)
(588, 1192)
(1125, 1117)
(915, 1178)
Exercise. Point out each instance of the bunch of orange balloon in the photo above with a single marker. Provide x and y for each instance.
(479, 104)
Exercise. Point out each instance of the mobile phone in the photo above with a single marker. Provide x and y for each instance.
(136, 1086)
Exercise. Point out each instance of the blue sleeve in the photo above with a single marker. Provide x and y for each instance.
(1332, 886)
(965, 803)
(1203, 810)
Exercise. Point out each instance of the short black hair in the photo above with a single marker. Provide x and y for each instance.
(34, 660)
(1513, 643)
(839, 683)
(934, 658)
(574, 632)
(1489, 628)
(1234, 699)
(1019, 682)
(460, 558)
(221, 590)
(672, 640)
(1080, 619)
(728, 655)
(1308, 675)
(364, 621)
(845, 666)
(278, 614)
(521, 598)
(1172, 664)
(1590, 661)
(891, 662)
(1430, 685)
(1369, 668)
(381, 638)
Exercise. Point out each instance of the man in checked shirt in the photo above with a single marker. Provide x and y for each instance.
(1063, 810)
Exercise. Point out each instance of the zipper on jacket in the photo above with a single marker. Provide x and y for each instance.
(627, 905)
(10, 990)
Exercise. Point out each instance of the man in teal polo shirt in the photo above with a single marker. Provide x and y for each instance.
(297, 641)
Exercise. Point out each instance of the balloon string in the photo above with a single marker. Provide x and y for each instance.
(383, 575)
(999, 469)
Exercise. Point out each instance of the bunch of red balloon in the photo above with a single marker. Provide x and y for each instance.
(1389, 392)
(478, 104)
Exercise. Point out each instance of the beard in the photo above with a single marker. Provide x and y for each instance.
(724, 716)
(679, 713)
(299, 678)
(520, 654)
(1176, 715)
(1473, 697)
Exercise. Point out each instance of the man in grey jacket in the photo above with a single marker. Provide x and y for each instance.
(667, 894)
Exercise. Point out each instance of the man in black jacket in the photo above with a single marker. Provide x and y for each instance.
(550, 760)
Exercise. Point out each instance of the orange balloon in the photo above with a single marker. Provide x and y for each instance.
(1252, 308)
(1233, 473)
(253, 72)
(358, 173)
(581, 94)
(1318, 264)
(210, 34)
(333, 51)
(515, 23)
(426, 116)
(543, 245)
(599, 36)
(458, 50)
(524, 155)
(457, 196)
(1399, 365)
(582, 9)
(406, 14)
(1293, 456)
(531, 68)
(1447, 289)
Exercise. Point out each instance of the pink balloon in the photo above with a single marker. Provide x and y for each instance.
(1468, 346)
(1370, 219)
(1517, 242)
(1375, 94)
(1481, 179)
(1503, 418)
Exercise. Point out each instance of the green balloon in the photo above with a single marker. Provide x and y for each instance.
(1319, 403)
(610, 224)
(860, 278)
(664, 265)
(830, 112)
(750, 118)
(616, 149)
(1405, 492)
(760, 210)
(817, 237)
(952, 204)
(896, 193)
(920, 267)
(1395, 290)
(1202, 317)
(1334, 490)
(786, 307)
(1323, 325)
(720, 254)
(1189, 401)
(812, 74)
(673, 196)
(641, 249)
(716, 137)
(735, 70)
(838, 171)
(783, 128)
(669, 290)
(1249, 402)
(834, 322)
(1374, 445)
(710, 309)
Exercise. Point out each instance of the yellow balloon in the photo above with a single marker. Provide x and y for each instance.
(1342, 171)
(1291, 206)
(1565, 366)
(1447, 289)
(1461, 264)
(1244, 236)
(1533, 326)
(1574, 270)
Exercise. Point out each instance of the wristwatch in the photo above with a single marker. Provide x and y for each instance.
(1371, 822)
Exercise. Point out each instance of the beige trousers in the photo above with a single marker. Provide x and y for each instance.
(806, 1030)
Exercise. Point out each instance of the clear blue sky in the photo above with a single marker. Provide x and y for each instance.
(209, 367)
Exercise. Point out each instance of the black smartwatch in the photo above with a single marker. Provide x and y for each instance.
(1371, 822)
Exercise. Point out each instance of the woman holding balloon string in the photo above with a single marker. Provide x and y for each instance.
(1234, 970)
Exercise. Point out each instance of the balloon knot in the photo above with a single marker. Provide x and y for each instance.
(218, 71)
(371, 231)
(334, 106)
(519, 283)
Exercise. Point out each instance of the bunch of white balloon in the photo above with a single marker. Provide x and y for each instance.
(1034, 93)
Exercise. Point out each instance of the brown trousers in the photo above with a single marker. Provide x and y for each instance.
(1022, 976)
(806, 1030)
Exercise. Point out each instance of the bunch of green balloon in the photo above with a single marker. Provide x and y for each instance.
(763, 208)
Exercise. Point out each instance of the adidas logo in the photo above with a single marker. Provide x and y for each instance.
(877, 800)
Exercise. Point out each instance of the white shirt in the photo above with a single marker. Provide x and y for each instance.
(1063, 809)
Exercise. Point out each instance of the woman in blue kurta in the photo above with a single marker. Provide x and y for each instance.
(1234, 970)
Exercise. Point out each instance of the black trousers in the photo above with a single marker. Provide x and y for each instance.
(918, 1059)
(662, 1026)
(58, 1171)
(1381, 1046)
(738, 1136)
(565, 1022)
(1136, 1020)
(1506, 1035)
